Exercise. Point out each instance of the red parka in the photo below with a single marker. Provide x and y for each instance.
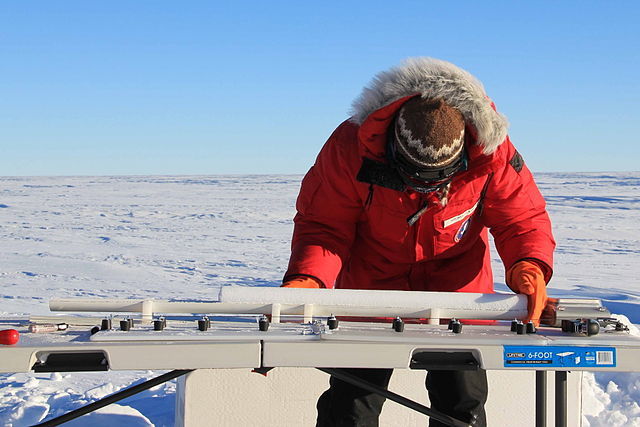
(356, 229)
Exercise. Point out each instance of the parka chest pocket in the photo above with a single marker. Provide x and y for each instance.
(386, 221)
(457, 227)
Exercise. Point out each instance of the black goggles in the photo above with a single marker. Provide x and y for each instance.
(423, 179)
(421, 186)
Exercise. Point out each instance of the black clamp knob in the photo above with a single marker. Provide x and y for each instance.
(158, 324)
(125, 325)
(520, 328)
(514, 325)
(204, 324)
(105, 325)
(398, 324)
(332, 322)
(452, 321)
(456, 327)
(530, 328)
(263, 323)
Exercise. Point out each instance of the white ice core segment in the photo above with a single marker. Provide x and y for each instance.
(355, 302)
(321, 303)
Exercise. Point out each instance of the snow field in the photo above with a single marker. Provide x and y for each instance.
(182, 238)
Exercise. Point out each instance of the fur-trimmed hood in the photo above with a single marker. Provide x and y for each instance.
(433, 78)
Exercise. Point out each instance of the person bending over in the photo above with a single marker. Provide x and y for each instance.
(401, 197)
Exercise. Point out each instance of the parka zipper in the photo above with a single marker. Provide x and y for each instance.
(413, 218)
(415, 226)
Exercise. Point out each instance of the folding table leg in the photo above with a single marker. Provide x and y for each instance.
(541, 398)
(561, 398)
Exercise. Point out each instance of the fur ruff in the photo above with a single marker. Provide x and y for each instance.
(433, 78)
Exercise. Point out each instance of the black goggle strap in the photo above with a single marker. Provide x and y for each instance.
(426, 188)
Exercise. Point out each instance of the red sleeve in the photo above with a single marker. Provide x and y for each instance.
(329, 205)
(515, 212)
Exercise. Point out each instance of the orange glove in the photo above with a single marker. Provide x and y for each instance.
(301, 282)
(527, 278)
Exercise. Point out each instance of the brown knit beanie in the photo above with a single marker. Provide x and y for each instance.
(429, 133)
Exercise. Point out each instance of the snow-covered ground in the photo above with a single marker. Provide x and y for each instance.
(183, 237)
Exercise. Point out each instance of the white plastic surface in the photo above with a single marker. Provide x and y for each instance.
(287, 397)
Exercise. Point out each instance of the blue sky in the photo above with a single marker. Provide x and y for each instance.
(205, 87)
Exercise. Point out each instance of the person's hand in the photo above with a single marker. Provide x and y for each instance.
(301, 282)
(527, 278)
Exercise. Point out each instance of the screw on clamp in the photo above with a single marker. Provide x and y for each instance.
(263, 323)
(621, 326)
(332, 322)
(530, 328)
(105, 325)
(204, 324)
(398, 324)
(607, 321)
(456, 327)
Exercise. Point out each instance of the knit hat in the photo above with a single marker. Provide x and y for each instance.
(429, 134)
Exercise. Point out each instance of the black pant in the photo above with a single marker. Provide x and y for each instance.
(460, 394)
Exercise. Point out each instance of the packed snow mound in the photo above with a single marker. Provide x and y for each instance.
(611, 399)
(28, 399)
(112, 415)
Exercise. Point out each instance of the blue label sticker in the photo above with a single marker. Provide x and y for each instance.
(564, 357)
(462, 230)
